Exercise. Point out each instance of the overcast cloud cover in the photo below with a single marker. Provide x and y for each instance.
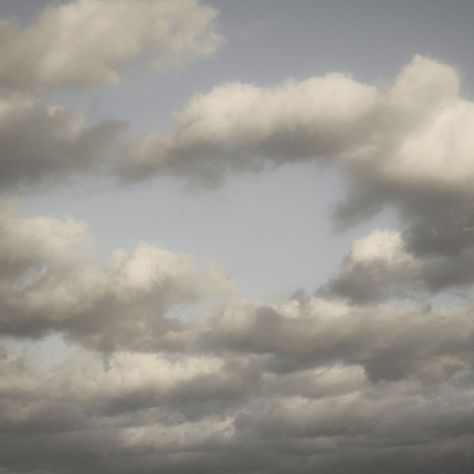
(152, 361)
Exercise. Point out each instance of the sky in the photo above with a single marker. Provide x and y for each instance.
(236, 236)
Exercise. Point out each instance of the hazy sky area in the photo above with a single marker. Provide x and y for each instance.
(236, 236)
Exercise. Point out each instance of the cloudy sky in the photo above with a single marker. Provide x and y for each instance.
(236, 237)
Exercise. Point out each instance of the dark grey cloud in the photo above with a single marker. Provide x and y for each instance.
(230, 410)
(42, 145)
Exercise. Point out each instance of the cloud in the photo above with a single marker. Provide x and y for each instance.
(46, 284)
(367, 388)
(407, 147)
(242, 127)
(381, 266)
(344, 380)
(83, 43)
(378, 267)
(86, 43)
(390, 343)
(304, 384)
(42, 145)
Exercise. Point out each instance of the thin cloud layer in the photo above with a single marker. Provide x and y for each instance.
(86, 43)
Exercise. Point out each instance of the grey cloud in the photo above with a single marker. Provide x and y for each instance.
(241, 127)
(41, 145)
(389, 343)
(394, 145)
(377, 267)
(310, 383)
(48, 285)
(76, 419)
(406, 147)
(127, 305)
(385, 265)
(85, 43)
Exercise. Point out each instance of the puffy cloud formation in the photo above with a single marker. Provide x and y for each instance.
(47, 285)
(380, 266)
(401, 137)
(153, 376)
(408, 147)
(308, 384)
(377, 267)
(241, 127)
(41, 145)
(85, 43)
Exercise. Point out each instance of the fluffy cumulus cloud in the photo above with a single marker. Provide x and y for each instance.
(87, 42)
(41, 145)
(380, 266)
(158, 365)
(241, 127)
(407, 147)
(48, 284)
(138, 383)
(403, 135)
(83, 43)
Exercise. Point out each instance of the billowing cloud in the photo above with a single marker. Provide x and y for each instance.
(388, 342)
(152, 376)
(241, 127)
(47, 285)
(83, 43)
(329, 388)
(377, 267)
(380, 266)
(407, 147)
(87, 42)
(389, 133)
(44, 145)
(305, 384)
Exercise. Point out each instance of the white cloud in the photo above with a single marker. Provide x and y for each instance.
(85, 43)
(331, 383)
(407, 146)
(415, 134)
(46, 285)
(238, 127)
(377, 267)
